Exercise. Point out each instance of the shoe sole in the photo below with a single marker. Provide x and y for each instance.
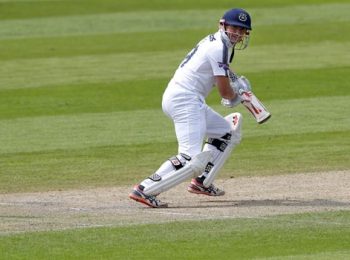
(195, 190)
(143, 201)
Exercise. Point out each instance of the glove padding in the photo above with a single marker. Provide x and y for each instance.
(241, 86)
(230, 102)
(240, 83)
(242, 96)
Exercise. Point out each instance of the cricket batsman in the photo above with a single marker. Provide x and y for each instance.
(207, 65)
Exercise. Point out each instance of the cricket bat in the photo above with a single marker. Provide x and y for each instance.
(253, 104)
(256, 108)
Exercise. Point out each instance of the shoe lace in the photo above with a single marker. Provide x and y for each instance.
(153, 199)
(212, 188)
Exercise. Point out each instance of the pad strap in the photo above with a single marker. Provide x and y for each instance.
(176, 162)
(227, 136)
(208, 167)
(219, 144)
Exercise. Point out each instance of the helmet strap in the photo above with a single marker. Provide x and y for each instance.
(232, 54)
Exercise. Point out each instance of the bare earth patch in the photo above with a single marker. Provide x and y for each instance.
(245, 197)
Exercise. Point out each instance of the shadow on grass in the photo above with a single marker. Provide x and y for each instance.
(266, 202)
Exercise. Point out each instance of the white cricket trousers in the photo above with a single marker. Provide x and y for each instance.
(193, 119)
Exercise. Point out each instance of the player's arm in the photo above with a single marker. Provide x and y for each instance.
(242, 87)
(224, 87)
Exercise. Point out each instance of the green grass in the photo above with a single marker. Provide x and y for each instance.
(146, 94)
(153, 21)
(80, 93)
(177, 40)
(68, 151)
(20, 9)
(76, 96)
(306, 236)
(160, 64)
(103, 166)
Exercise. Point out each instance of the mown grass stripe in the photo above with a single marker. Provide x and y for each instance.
(146, 94)
(276, 237)
(152, 65)
(69, 46)
(16, 9)
(116, 165)
(325, 255)
(153, 21)
(298, 116)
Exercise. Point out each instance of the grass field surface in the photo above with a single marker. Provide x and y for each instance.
(80, 92)
(316, 236)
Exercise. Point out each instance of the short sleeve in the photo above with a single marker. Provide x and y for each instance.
(218, 59)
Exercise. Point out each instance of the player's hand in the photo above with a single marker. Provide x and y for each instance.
(230, 102)
(241, 97)
(245, 95)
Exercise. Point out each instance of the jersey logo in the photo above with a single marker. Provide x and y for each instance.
(223, 65)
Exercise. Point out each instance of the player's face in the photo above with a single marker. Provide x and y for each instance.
(236, 33)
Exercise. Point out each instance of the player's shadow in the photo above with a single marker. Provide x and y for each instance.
(265, 203)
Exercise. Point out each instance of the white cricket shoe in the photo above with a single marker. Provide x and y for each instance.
(151, 201)
(198, 188)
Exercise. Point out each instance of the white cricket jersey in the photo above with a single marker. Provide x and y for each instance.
(208, 59)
